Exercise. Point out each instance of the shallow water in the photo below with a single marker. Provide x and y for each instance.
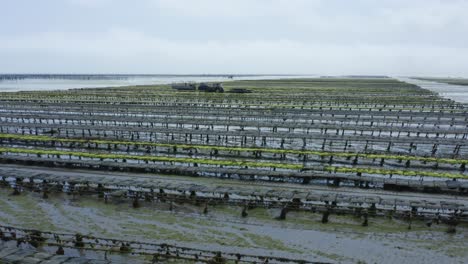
(44, 84)
(458, 93)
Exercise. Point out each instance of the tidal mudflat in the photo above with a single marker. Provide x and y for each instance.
(316, 170)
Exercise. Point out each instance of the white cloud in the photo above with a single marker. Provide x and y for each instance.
(247, 36)
(122, 50)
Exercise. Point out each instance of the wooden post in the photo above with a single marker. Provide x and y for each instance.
(283, 213)
(244, 211)
(325, 215)
(365, 214)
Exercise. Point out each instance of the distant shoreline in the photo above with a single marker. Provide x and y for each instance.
(14, 76)
(52, 82)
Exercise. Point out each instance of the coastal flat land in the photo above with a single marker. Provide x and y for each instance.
(328, 170)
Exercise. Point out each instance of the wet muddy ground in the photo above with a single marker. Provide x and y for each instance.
(302, 235)
(362, 116)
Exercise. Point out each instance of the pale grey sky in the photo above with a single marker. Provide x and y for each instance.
(395, 37)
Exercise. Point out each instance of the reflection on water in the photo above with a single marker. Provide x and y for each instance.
(458, 93)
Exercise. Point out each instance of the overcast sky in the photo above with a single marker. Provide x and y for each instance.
(394, 37)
